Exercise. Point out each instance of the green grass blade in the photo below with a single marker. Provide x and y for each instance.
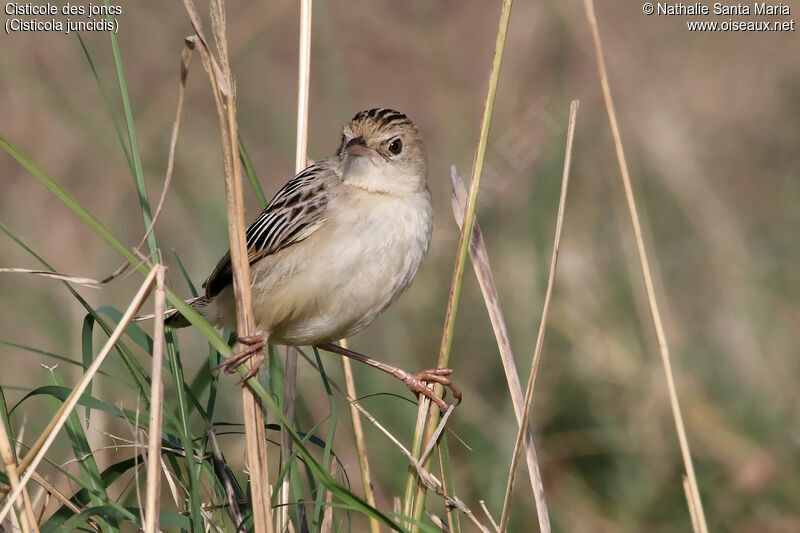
(192, 464)
(251, 175)
(138, 174)
(132, 331)
(81, 498)
(82, 518)
(66, 198)
(87, 354)
(87, 465)
(185, 274)
(319, 507)
(308, 436)
(4, 419)
(133, 366)
(447, 479)
(86, 401)
(61, 392)
(145, 342)
(57, 357)
(204, 379)
(107, 101)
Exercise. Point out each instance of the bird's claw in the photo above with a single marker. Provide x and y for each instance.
(253, 353)
(418, 384)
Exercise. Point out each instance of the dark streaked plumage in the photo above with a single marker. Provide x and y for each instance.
(290, 216)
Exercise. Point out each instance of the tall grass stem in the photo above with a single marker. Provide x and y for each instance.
(646, 274)
(153, 494)
(418, 495)
(483, 271)
(537, 354)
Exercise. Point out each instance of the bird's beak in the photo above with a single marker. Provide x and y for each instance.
(357, 146)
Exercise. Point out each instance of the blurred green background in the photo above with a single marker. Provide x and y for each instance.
(711, 125)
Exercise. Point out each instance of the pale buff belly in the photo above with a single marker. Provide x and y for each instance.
(338, 281)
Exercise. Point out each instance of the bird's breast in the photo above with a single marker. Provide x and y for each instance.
(349, 271)
(384, 240)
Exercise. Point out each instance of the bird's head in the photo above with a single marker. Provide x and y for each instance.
(382, 151)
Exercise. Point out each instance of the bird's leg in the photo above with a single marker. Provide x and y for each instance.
(417, 383)
(255, 351)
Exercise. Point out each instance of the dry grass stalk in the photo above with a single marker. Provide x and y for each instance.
(537, 354)
(483, 271)
(301, 156)
(489, 516)
(46, 495)
(153, 495)
(61, 497)
(222, 473)
(415, 499)
(361, 444)
(690, 502)
(27, 521)
(289, 399)
(136, 432)
(173, 488)
(438, 522)
(222, 89)
(303, 77)
(40, 447)
(327, 516)
(86, 282)
(436, 434)
(655, 314)
(418, 495)
(453, 523)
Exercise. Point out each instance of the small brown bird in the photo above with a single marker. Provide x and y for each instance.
(337, 245)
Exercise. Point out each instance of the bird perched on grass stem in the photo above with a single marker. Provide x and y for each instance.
(337, 245)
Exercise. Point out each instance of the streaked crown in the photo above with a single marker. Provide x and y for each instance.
(379, 127)
(396, 145)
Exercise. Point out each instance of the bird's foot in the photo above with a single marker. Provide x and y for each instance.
(253, 353)
(419, 384)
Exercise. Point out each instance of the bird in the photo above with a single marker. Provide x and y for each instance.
(336, 246)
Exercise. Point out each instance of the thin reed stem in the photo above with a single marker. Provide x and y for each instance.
(138, 171)
(153, 494)
(483, 271)
(224, 97)
(418, 495)
(661, 337)
(66, 502)
(303, 81)
(537, 354)
(301, 156)
(27, 521)
(358, 434)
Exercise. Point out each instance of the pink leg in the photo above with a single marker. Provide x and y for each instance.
(417, 383)
(255, 351)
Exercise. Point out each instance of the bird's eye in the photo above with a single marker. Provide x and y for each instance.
(396, 146)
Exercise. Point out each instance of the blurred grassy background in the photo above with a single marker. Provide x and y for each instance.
(711, 125)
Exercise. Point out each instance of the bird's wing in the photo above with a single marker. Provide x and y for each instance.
(291, 216)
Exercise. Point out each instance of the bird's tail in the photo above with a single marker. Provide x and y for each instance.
(173, 318)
